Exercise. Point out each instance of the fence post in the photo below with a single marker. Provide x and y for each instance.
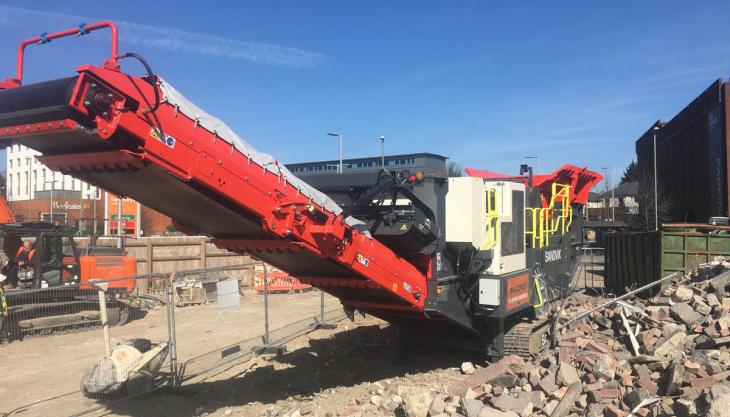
(266, 308)
(101, 289)
(321, 323)
(172, 340)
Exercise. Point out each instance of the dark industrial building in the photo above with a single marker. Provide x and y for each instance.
(691, 155)
(412, 161)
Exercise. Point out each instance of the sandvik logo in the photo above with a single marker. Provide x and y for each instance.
(553, 255)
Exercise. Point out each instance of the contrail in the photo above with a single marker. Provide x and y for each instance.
(172, 39)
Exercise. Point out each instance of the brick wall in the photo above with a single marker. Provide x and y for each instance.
(153, 223)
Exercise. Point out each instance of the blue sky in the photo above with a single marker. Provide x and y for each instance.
(482, 83)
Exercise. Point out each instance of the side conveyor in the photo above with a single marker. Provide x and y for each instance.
(97, 127)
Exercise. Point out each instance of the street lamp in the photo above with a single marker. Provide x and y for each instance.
(656, 197)
(382, 152)
(53, 185)
(30, 190)
(339, 136)
(537, 158)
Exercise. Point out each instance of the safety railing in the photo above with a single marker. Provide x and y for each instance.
(544, 222)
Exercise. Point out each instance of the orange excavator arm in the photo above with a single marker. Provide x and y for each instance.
(6, 216)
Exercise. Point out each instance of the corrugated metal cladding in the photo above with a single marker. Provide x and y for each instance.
(692, 155)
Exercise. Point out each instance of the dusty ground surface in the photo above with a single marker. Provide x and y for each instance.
(323, 373)
(41, 376)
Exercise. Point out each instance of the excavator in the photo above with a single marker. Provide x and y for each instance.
(469, 261)
(53, 292)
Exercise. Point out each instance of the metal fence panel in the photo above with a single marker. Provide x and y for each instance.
(170, 325)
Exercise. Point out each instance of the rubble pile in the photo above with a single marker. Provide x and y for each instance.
(664, 356)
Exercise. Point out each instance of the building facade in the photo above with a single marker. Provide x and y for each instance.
(26, 176)
(35, 192)
(621, 204)
(423, 161)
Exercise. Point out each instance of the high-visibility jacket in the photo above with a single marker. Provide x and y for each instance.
(24, 256)
(3, 304)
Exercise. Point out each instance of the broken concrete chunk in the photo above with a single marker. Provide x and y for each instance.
(467, 368)
(702, 309)
(417, 401)
(670, 346)
(471, 407)
(682, 294)
(675, 379)
(547, 384)
(522, 407)
(604, 367)
(721, 281)
(719, 401)
(685, 313)
(493, 412)
(567, 374)
(712, 300)
(438, 405)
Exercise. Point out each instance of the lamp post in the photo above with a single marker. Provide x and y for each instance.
(30, 190)
(119, 221)
(96, 196)
(339, 136)
(656, 197)
(537, 158)
(53, 185)
(382, 152)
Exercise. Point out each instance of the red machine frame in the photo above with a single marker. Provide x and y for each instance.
(206, 159)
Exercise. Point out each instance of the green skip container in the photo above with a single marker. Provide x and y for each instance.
(636, 259)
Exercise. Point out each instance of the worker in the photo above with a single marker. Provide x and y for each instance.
(11, 246)
(23, 259)
(3, 310)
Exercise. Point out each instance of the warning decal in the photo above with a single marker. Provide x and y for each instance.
(518, 289)
(169, 140)
(363, 260)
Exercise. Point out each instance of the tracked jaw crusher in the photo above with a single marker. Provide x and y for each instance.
(458, 260)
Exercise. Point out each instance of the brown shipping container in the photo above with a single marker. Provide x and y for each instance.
(692, 155)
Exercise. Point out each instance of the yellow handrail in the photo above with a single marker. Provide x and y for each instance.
(546, 221)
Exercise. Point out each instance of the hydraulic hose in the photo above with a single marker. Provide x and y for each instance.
(151, 75)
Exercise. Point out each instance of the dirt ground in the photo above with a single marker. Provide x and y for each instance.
(322, 374)
(40, 376)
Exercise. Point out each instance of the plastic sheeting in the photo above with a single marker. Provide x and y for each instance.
(267, 161)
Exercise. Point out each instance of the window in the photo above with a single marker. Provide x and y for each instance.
(11, 164)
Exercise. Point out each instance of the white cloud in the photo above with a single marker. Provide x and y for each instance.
(172, 39)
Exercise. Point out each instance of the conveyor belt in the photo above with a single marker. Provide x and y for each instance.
(204, 183)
